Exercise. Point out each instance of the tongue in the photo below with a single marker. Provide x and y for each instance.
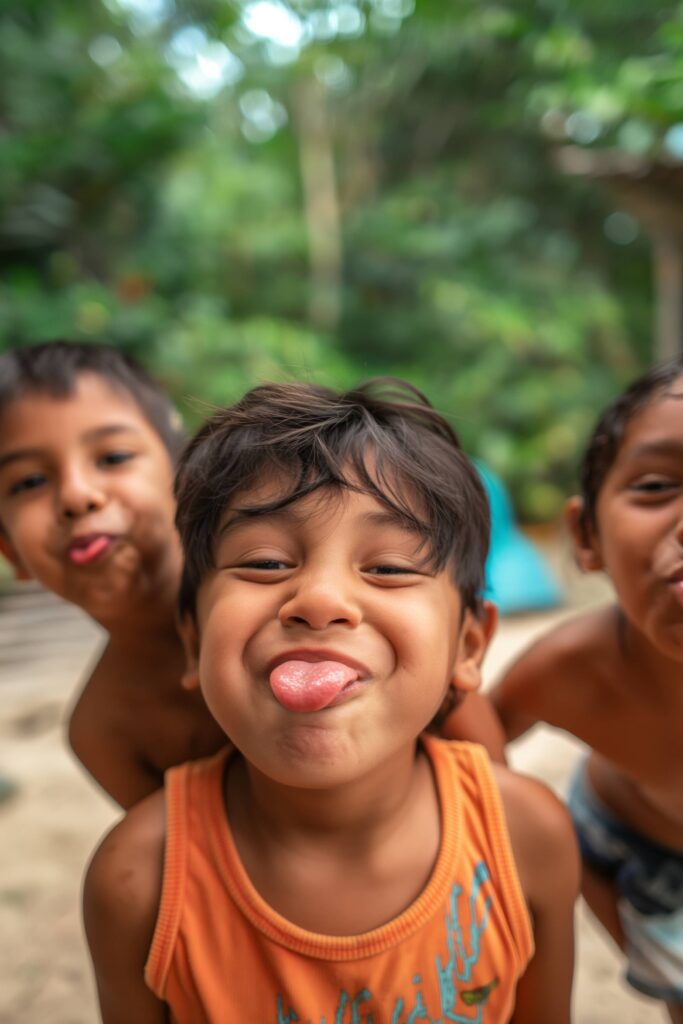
(310, 685)
(83, 553)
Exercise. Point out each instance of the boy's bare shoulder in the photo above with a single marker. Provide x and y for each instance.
(132, 722)
(123, 880)
(548, 866)
(542, 837)
(560, 676)
(101, 735)
(121, 897)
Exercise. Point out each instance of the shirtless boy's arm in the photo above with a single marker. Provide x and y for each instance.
(120, 904)
(547, 858)
(103, 744)
(475, 719)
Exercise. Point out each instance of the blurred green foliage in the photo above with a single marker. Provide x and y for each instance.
(332, 189)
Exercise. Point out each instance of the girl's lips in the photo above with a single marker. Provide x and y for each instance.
(84, 550)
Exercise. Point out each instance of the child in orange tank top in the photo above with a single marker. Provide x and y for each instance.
(335, 866)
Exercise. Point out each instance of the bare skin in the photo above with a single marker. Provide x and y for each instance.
(475, 719)
(614, 677)
(351, 850)
(581, 678)
(133, 719)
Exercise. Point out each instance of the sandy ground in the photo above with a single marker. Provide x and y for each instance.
(49, 827)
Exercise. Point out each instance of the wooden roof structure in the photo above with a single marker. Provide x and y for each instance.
(652, 190)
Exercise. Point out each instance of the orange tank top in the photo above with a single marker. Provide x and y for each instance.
(221, 954)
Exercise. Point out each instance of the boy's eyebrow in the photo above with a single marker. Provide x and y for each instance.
(110, 428)
(89, 435)
(19, 453)
(385, 517)
(392, 517)
(238, 517)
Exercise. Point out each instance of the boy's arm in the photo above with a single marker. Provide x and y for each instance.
(475, 719)
(548, 864)
(121, 899)
(101, 736)
(107, 755)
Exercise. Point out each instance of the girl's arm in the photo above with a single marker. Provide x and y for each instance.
(550, 681)
(120, 906)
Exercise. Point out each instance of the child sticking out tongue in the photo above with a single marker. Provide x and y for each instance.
(310, 685)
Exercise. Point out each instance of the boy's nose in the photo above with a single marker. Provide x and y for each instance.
(79, 495)
(319, 603)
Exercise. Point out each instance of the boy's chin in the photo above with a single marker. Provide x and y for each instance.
(108, 595)
(313, 758)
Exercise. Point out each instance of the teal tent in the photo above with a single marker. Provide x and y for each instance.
(518, 578)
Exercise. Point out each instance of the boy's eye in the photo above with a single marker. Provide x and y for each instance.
(28, 483)
(390, 570)
(114, 458)
(265, 565)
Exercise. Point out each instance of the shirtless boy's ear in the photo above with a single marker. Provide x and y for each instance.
(189, 634)
(584, 536)
(475, 635)
(8, 552)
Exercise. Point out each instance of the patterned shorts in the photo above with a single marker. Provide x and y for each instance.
(648, 878)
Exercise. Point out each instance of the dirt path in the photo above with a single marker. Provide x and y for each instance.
(48, 829)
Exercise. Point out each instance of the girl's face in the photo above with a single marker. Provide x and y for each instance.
(639, 537)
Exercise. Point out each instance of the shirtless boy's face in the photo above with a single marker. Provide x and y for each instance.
(326, 644)
(86, 499)
(639, 539)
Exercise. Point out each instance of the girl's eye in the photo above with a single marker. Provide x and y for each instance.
(28, 483)
(654, 485)
(115, 458)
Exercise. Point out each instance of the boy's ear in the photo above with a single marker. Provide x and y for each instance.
(585, 541)
(8, 552)
(476, 632)
(189, 634)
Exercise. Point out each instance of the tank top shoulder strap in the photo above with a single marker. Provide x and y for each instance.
(483, 819)
(188, 792)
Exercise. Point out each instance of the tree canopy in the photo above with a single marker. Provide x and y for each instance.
(333, 189)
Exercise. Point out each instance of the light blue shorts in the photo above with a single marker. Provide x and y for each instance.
(648, 878)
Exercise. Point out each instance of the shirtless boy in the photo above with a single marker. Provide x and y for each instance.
(87, 447)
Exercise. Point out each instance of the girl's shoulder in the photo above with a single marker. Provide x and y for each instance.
(583, 643)
(561, 674)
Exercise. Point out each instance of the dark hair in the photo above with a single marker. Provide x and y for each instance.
(605, 441)
(53, 368)
(383, 438)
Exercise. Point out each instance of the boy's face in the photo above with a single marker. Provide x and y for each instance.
(86, 501)
(331, 597)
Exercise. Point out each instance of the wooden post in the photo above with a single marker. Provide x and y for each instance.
(668, 272)
(321, 203)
